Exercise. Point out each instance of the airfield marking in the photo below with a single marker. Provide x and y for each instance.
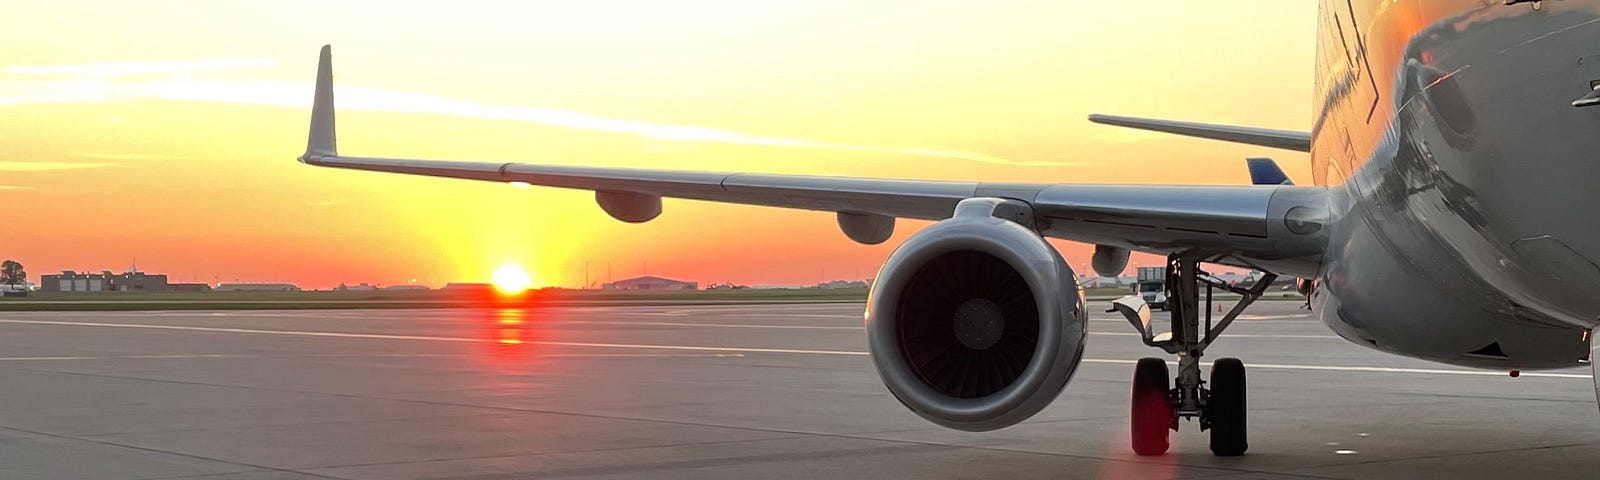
(1341, 368)
(113, 357)
(358, 355)
(859, 328)
(1272, 317)
(428, 338)
(711, 325)
(856, 317)
(819, 327)
(631, 355)
(431, 313)
(1235, 335)
(1331, 368)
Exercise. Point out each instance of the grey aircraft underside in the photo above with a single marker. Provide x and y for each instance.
(1446, 220)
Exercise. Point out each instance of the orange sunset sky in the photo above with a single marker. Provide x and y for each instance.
(167, 130)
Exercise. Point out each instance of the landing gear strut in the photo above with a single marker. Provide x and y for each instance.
(1221, 407)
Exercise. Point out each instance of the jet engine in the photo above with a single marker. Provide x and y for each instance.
(976, 323)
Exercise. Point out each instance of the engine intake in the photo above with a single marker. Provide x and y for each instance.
(975, 323)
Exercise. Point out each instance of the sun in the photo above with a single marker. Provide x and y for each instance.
(511, 279)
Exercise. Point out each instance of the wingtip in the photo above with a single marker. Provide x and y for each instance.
(322, 140)
(324, 63)
(1105, 119)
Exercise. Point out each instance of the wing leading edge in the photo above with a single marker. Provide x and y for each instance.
(1244, 225)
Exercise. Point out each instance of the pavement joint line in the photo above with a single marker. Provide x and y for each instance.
(168, 452)
(1468, 399)
(1446, 455)
(1336, 368)
(202, 476)
(677, 465)
(113, 357)
(571, 452)
(277, 425)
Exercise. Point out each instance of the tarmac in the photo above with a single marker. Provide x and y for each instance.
(752, 391)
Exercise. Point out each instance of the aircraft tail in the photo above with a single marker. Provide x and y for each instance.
(1285, 139)
(1264, 171)
(322, 140)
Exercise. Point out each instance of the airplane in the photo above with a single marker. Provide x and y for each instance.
(1450, 168)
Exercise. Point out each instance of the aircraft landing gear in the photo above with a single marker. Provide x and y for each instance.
(1225, 409)
(1158, 406)
(1152, 418)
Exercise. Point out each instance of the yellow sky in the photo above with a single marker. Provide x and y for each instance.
(167, 130)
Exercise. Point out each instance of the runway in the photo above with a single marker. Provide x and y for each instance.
(763, 391)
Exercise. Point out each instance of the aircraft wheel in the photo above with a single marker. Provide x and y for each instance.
(1225, 409)
(1152, 415)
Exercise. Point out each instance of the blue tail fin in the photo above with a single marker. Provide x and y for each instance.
(1264, 171)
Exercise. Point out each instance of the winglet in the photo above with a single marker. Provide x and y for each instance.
(322, 141)
(1285, 139)
(1264, 171)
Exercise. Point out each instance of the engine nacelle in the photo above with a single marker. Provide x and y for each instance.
(976, 323)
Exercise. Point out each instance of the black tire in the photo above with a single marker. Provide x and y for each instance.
(1226, 410)
(1152, 415)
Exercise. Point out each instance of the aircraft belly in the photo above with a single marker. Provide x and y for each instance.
(1496, 159)
(1467, 225)
(1400, 300)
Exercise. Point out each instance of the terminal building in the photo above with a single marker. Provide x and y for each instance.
(843, 284)
(131, 281)
(257, 287)
(467, 287)
(188, 287)
(408, 287)
(650, 283)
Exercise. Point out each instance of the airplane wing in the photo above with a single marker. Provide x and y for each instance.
(1266, 137)
(1264, 227)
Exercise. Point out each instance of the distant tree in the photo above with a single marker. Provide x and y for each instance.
(11, 273)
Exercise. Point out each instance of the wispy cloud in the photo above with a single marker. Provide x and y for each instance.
(1125, 135)
(131, 156)
(14, 187)
(88, 87)
(122, 69)
(12, 166)
(325, 203)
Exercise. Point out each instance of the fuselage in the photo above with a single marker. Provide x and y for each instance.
(1459, 176)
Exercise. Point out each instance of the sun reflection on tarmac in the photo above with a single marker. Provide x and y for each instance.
(511, 332)
(510, 321)
(1133, 466)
